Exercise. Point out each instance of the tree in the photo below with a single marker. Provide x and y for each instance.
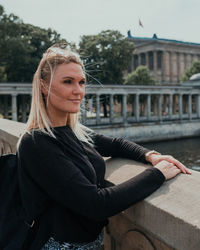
(21, 47)
(106, 56)
(141, 76)
(194, 69)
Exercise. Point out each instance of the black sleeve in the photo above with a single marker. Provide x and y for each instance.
(63, 182)
(119, 147)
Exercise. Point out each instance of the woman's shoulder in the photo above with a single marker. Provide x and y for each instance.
(34, 138)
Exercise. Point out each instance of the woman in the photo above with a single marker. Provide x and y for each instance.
(61, 166)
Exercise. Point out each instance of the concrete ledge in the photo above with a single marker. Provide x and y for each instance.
(9, 134)
(168, 219)
(147, 132)
(169, 216)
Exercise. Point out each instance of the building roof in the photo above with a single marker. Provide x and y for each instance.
(155, 38)
(195, 77)
(193, 81)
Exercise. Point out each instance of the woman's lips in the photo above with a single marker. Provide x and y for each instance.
(75, 100)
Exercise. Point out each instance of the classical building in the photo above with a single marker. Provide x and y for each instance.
(167, 59)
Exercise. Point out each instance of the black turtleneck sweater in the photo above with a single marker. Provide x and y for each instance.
(62, 179)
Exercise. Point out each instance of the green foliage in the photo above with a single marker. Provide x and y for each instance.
(141, 76)
(194, 69)
(3, 76)
(21, 46)
(106, 56)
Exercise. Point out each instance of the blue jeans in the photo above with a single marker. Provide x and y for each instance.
(51, 244)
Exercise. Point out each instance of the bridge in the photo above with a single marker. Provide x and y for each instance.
(114, 104)
(166, 220)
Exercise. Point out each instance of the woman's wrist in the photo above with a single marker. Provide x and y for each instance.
(149, 155)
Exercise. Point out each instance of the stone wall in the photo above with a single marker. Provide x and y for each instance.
(9, 134)
(152, 132)
(166, 220)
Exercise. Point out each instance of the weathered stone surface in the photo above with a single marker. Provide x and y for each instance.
(166, 220)
(171, 214)
(9, 134)
(152, 132)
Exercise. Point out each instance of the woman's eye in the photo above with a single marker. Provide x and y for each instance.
(82, 82)
(68, 81)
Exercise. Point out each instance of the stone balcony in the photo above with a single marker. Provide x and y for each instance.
(168, 219)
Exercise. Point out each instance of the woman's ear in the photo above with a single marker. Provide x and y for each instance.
(44, 87)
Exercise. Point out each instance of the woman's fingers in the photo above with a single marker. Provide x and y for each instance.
(178, 164)
(158, 158)
(168, 169)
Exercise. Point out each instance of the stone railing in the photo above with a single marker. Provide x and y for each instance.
(166, 220)
(9, 134)
(115, 104)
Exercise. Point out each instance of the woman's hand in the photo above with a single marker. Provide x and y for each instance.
(169, 170)
(156, 158)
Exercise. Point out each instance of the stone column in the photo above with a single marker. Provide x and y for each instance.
(136, 112)
(83, 111)
(160, 107)
(188, 60)
(155, 64)
(111, 108)
(124, 107)
(174, 72)
(5, 105)
(190, 106)
(139, 59)
(131, 67)
(147, 59)
(181, 65)
(148, 107)
(198, 106)
(23, 108)
(98, 119)
(180, 106)
(170, 105)
(14, 107)
(195, 58)
(166, 67)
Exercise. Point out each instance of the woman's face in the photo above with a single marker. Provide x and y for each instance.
(67, 89)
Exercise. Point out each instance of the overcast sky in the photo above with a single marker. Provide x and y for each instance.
(173, 19)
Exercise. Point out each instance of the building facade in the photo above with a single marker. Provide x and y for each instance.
(166, 59)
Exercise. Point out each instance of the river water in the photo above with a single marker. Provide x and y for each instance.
(185, 150)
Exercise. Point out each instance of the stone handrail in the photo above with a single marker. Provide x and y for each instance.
(9, 134)
(166, 220)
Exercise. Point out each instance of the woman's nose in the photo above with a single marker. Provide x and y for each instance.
(78, 89)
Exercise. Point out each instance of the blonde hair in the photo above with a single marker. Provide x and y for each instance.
(38, 118)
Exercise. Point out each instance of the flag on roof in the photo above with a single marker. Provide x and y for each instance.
(140, 23)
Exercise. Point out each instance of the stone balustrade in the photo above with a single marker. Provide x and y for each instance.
(166, 220)
(115, 104)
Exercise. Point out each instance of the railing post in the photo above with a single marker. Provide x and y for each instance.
(180, 106)
(111, 108)
(23, 108)
(14, 107)
(137, 114)
(5, 104)
(83, 111)
(170, 105)
(124, 107)
(190, 106)
(148, 107)
(160, 107)
(198, 106)
(98, 120)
